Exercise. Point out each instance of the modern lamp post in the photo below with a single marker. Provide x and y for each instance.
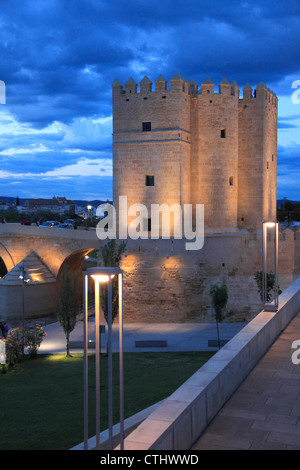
(269, 225)
(89, 211)
(100, 276)
(25, 280)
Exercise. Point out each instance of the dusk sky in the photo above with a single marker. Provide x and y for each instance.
(59, 58)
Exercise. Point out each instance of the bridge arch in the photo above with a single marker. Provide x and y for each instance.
(52, 249)
(74, 263)
(3, 268)
(6, 257)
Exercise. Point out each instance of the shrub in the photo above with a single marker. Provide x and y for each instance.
(20, 338)
(33, 339)
(14, 345)
(258, 276)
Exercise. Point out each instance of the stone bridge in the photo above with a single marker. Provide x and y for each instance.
(43, 252)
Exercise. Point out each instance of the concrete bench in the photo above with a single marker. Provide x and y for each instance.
(151, 343)
(79, 344)
(213, 343)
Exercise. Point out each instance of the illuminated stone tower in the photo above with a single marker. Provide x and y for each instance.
(185, 145)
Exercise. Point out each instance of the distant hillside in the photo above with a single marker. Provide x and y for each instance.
(92, 203)
(79, 202)
(281, 201)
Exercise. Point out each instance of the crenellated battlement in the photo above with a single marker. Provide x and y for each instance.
(182, 85)
(261, 93)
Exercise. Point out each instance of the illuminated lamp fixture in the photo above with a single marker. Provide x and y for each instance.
(269, 226)
(103, 276)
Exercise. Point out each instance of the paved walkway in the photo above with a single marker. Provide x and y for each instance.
(264, 413)
(179, 337)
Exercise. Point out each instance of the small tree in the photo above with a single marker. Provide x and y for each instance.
(219, 297)
(111, 256)
(68, 307)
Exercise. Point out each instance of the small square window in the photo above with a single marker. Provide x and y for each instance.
(147, 225)
(223, 133)
(149, 180)
(146, 126)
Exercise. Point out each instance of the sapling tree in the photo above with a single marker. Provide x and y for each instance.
(68, 306)
(219, 297)
(111, 257)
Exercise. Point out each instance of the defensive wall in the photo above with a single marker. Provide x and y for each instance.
(163, 282)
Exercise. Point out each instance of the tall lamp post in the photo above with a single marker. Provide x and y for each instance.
(89, 210)
(100, 276)
(269, 225)
(25, 280)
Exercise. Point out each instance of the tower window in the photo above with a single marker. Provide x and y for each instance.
(230, 180)
(267, 165)
(223, 133)
(149, 180)
(146, 126)
(147, 225)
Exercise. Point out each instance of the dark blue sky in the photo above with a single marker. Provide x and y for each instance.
(59, 59)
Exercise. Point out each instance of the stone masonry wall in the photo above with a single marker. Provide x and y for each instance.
(165, 283)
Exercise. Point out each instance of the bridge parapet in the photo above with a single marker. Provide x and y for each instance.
(82, 233)
(180, 420)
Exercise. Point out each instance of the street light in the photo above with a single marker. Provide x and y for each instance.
(272, 225)
(89, 208)
(103, 275)
(25, 279)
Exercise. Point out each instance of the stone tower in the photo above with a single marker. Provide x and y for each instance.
(185, 145)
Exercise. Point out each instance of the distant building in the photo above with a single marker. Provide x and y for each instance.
(59, 205)
(5, 205)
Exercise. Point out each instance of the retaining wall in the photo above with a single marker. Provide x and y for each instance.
(178, 423)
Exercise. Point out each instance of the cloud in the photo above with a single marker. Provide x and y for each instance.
(59, 59)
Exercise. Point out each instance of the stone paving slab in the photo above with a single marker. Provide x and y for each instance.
(264, 412)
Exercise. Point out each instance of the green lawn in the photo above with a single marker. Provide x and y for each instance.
(42, 399)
